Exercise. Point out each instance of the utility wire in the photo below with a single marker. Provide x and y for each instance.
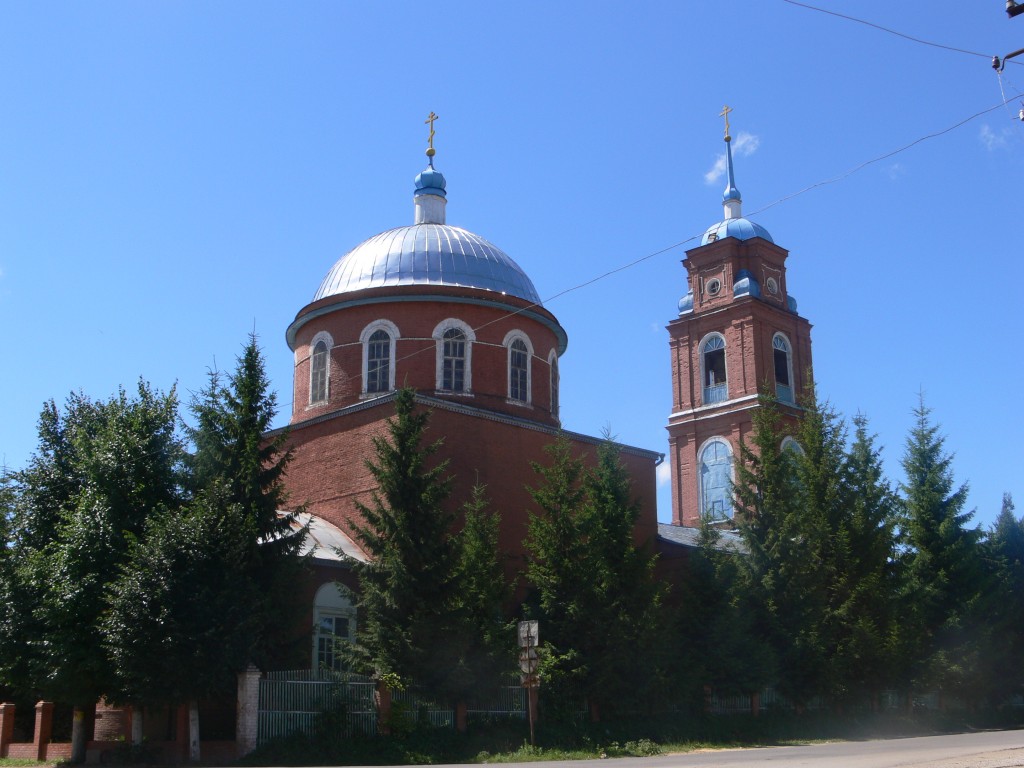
(892, 31)
(878, 159)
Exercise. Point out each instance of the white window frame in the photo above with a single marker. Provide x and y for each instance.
(554, 381)
(467, 375)
(701, 493)
(333, 601)
(325, 337)
(704, 388)
(364, 339)
(789, 443)
(510, 338)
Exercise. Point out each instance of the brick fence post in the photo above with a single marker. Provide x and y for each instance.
(248, 720)
(44, 728)
(382, 698)
(6, 727)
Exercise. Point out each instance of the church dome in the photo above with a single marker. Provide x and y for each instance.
(427, 254)
(740, 228)
(734, 225)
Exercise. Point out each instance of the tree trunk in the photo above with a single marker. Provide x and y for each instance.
(78, 736)
(193, 731)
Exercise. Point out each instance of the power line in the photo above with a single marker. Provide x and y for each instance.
(886, 156)
(891, 31)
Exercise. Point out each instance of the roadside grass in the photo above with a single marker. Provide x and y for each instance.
(507, 741)
(17, 762)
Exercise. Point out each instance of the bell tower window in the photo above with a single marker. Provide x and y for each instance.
(715, 387)
(783, 368)
(716, 480)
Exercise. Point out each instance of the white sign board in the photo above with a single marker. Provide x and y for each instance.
(528, 634)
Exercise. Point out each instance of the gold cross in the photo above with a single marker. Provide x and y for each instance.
(724, 113)
(430, 139)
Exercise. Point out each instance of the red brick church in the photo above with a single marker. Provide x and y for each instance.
(441, 309)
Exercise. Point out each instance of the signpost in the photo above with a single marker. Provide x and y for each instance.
(529, 633)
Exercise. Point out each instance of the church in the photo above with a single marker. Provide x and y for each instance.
(441, 309)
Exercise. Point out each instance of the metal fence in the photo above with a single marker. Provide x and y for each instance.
(313, 701)
(304, 700)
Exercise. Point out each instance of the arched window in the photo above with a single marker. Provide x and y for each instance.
(378, 340)
(790, 444)
(553, 373)
(378, 362)
(319, 368)
(716, 479)
(712, 356)
(518, 371)
(520, 355)
(783, 368)
(454, 356)
(453, 374)
(334, 617)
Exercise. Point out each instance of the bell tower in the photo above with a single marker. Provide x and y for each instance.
(737, 334)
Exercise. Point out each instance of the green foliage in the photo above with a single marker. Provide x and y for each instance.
(102, 469)
(181, 620)
(768, 515)
(944, 576)
(821, 576)
(430, 605)
(1003, 604)
(403, 606)
(595, 589)
(718, 643)
(240, 471)
(230, 448)
(486, 637)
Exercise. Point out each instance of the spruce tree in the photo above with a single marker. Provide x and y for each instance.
(236, 464)
(867, 610)
(486, 637)
(557, 570)
(943, 566)
(819, 583)
(718, 641)
(770, 578)
(407, 615)
(1003, 604)
(599, 602)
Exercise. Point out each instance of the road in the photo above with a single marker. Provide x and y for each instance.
(991, 749)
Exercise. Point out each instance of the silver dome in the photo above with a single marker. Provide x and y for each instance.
(427, 254)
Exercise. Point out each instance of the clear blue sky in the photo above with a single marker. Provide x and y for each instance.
(174, 175)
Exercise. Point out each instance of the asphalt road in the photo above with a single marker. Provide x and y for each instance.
(990, 749)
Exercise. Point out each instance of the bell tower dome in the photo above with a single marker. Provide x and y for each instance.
(737, 334)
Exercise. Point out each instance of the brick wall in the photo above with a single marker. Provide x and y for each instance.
(416, 316)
